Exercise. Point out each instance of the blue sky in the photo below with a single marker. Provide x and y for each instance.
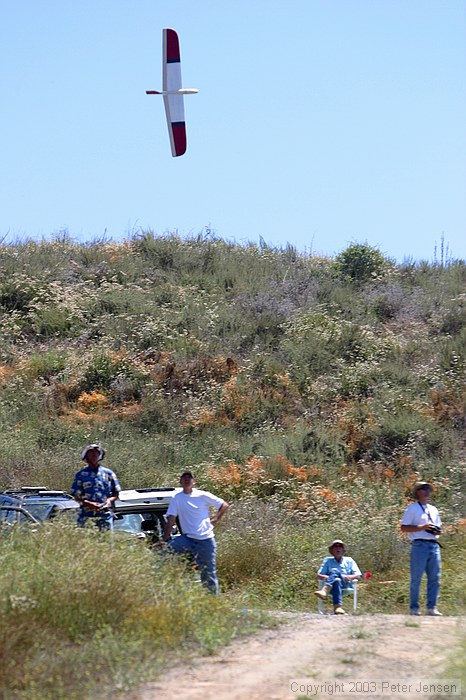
(318, 122)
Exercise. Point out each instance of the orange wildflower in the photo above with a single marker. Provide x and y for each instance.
(299, 472)
(90, 403)
(5, 372)
(227, 476)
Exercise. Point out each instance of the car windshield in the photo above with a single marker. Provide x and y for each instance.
(46, 509)
(8, 516)
(14, 515)
(69, 514)
(158, 521)
(130, 522)
(38, 510)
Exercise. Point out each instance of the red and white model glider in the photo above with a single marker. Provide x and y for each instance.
(173, 92)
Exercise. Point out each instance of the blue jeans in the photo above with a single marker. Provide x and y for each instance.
(204, 553)
(425, 557)
(338, 583)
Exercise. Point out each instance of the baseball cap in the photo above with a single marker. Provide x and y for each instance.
(334, 543)
(187, 473)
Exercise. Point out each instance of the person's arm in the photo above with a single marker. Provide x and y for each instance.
(167, 530)
(76, 490)
(111, 499)
(352, 577)
(220, 513)
(354, 572)
(321, 575)
(115, 489)
(108, 502)
(93, 505)
(407, 526)
(415, 528)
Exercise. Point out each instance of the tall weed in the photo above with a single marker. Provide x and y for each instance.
(82, 613)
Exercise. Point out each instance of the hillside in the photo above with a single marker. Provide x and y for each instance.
(309, 392)
(236, 350)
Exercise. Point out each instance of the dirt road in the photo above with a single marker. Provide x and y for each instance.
(324, 656)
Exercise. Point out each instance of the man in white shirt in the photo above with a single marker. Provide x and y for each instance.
(421, 521)
(191, 507)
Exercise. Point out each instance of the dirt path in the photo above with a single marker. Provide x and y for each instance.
(324, 654)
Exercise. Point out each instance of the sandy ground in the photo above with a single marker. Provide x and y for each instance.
(321, 656)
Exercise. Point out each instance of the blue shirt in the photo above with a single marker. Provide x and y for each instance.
(94, 485)
(346, 567)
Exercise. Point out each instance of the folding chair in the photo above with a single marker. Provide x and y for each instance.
(346, 591)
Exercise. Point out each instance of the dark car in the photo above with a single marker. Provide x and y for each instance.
(40, 502)
(10, 515)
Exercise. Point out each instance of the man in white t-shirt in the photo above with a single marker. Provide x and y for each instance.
(421, 521)
(191, 507)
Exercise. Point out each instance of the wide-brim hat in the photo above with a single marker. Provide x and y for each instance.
(419, 485)
(91, 447)
(334, 543)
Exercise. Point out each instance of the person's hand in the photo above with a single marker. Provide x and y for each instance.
(93, 505)
(433, 529)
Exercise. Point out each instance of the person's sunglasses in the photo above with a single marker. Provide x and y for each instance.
(424, 488)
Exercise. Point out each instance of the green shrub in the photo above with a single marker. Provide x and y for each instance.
(361, 263)
(115, 373)
(17, 292)
(410, 430)
(48, 364)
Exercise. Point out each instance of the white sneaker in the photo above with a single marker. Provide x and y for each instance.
(414, 612)
(433, 611)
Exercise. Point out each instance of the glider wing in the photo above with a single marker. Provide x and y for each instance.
(174, 106)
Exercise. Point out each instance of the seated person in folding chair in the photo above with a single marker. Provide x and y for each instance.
(338, 572)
